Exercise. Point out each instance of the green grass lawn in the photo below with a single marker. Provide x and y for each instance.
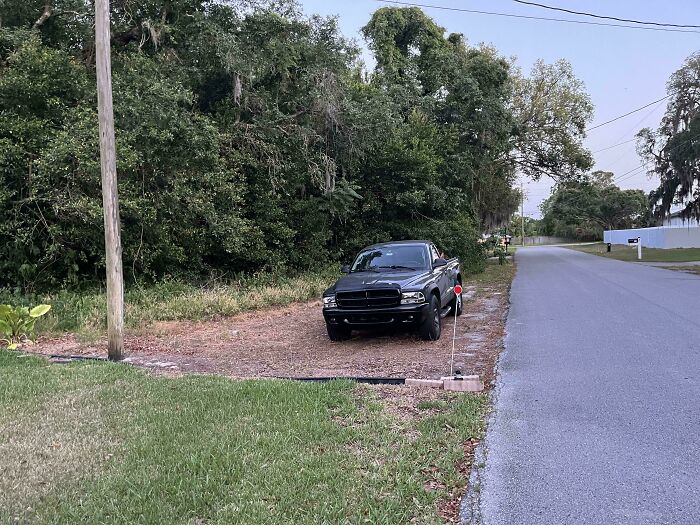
(104, 443)
(622, 252)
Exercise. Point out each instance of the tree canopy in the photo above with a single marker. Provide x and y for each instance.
(673, 151)
(250, 137)
(582, 209)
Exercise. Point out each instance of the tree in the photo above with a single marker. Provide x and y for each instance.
(583, 209)
(464, 93)
(551, 109)
(673, 151)
(533, 226)
(251, 139)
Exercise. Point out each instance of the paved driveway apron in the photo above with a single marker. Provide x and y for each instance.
(597, 416)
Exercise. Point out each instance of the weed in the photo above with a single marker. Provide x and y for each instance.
(84, 312)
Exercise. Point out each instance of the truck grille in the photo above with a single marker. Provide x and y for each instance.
(379, 298)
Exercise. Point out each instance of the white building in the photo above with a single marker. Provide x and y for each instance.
(676, 221)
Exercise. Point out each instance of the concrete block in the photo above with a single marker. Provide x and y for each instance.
(464, 385)
(430, 383)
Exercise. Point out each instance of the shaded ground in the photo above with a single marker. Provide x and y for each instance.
(292, 341)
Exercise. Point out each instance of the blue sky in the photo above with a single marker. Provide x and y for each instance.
(622, 68)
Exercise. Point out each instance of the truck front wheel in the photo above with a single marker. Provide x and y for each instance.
(338, 332)
(431, 326)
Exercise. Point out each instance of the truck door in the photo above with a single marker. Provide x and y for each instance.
(442, 278)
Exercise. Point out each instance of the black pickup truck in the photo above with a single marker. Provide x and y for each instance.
(394, 284)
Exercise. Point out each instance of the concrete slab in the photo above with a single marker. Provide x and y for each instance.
(429, 383)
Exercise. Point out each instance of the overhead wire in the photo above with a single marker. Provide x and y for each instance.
(629, 113)
(605, 17)
(631, 173)
(633, 128)
(613, 146)
(529, 17)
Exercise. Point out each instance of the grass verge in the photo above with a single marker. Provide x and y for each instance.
(622, 252)
(106, 443)
(494, 273)
(85, 312)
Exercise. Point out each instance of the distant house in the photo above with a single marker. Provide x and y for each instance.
(676, 221)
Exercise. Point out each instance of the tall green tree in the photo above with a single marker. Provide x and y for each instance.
(461, 94)
(583, 208)
(551, 110)
(673, 151)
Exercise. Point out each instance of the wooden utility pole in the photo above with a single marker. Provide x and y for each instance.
(110, 197)
(522, 215)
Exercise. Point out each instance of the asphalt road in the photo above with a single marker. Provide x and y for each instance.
(597, 408)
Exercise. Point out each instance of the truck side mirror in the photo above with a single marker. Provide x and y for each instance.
(439, 262)
(345, 268)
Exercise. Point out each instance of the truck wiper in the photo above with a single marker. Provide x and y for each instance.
(398, 267)
(373, 269)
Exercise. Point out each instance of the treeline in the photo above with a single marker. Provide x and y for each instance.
(251, 137)
(583, 209)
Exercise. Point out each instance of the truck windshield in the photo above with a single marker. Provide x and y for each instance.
(393, 258)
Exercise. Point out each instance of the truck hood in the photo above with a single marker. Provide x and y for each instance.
(388, 279)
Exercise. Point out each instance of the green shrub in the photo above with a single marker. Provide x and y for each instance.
(500, 252)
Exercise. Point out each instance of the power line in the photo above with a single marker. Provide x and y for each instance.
(511, 15)
(631, 173)
(632, 129)
(635, 127)
(629, 113)
(613, 146)
(583, 13)
(688, 142)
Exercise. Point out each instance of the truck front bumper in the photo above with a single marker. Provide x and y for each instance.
(404, 315)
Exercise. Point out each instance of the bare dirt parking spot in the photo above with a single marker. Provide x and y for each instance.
(292, 342)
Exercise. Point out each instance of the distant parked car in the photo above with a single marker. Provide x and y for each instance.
(394, 284)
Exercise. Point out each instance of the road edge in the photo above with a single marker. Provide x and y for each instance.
(470, 506)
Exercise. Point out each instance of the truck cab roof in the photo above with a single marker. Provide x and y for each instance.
(398, 243)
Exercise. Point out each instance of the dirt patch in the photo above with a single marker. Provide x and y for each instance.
(406, 403)
(292, 341)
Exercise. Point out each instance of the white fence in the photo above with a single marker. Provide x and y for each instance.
(540, 239)
(657, 237)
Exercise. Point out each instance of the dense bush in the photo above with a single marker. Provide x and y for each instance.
(249, 138)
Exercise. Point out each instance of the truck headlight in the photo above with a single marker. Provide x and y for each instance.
(329, 301)
(412, 298)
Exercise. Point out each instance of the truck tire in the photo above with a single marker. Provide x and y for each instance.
(338, 332)
(432, 324)
(456, 304)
